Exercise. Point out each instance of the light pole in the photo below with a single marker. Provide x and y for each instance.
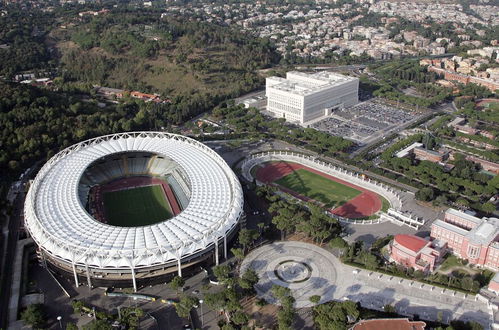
(59, 318)
(202, 317)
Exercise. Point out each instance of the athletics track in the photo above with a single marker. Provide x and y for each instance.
(361, 206)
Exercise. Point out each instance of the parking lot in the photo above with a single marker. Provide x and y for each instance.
(364, 121)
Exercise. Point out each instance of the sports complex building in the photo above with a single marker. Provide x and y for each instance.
(133, 209)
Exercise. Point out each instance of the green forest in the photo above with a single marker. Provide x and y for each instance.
(170, 55)
(194, 65)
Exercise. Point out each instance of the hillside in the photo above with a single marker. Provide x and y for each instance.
(171, 56)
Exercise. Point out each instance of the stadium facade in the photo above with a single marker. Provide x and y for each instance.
(302, 97)
(71, 240)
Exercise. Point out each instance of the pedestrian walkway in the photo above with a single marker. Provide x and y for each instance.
(310, 270)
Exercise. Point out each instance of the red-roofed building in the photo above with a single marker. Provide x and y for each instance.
(392, 324)
(416, 252)
(144, 96)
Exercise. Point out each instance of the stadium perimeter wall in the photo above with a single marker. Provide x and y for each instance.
(392, 195)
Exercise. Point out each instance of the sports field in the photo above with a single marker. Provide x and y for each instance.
(140, 206)
(317, 187)
(339, 196)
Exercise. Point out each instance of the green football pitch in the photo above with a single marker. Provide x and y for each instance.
(140, 206)
(315, 186)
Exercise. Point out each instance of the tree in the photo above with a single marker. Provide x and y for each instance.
(177, 283)
(131, 316)
(335, 315)
(319, 226)
(248, 279)
(77, 306)
(239, 318)
(286, 313)
(425, 194)
(338, 243)
(389, 309)
(280, 291)
(238, 254)
(315, 299)
(488, 207)
(185, 305)
(463, 202)
(286, 218)
(440, 316)
(368, 259)
(71, 326)
(261, 227)
(246, 237)
(215, 300)
(221, 272)
(98, 325)
(34, 315)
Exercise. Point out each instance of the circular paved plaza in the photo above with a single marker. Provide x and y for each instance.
(306, 269)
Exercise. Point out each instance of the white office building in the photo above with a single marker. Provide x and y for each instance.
(302, 97)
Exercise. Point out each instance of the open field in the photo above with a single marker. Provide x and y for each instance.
(140, 206)
(317, 187)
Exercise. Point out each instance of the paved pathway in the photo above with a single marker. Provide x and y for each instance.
(326, 276)
(304, 268)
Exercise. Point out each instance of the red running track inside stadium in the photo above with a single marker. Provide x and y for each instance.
(363, 205)
(139, 181)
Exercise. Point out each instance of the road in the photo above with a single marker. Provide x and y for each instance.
(6, 278)
(14, 226)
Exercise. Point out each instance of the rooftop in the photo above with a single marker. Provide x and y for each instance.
(411, 242)
(427, 151)
(302, 83)
(404, 152)
(463, 215)
(392, 324)
(451, 227)
(486, 232)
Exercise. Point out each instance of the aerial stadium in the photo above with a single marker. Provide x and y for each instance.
(133, 209)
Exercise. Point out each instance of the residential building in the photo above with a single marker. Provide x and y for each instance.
(469, 237)
(416, 252)
(302, 97)
(392, 324)
(466, 79)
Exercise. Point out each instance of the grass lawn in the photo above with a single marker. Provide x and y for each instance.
(317, 187)
(451, 262)
(385, 204)
(137, 207)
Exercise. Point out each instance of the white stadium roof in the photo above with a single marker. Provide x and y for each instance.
(61, 226)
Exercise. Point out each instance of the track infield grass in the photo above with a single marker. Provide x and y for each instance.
(331, 193)
(140, 206)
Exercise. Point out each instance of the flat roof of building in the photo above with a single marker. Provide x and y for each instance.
(427, 151)
(302, 83)
(486, 232)
(463, 215)
(451, 227)
(404, 152)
